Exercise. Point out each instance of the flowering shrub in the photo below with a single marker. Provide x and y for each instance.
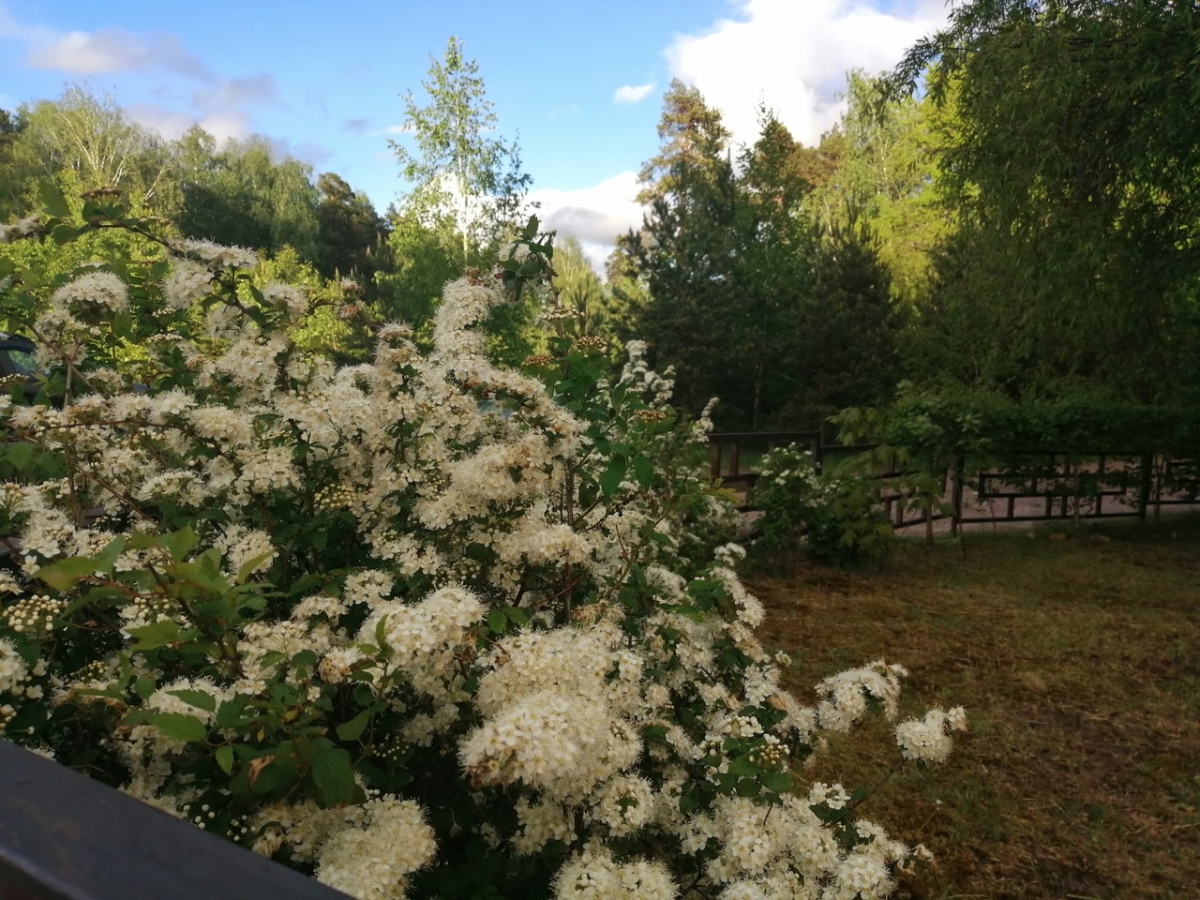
(423, 627)
(837, 516)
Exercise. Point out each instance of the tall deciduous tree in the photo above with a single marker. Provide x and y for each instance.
(14, 181)
(242, 195)
(459, 172)
(467, 195)
(886, 177)
(94, 140)
(1074, 173)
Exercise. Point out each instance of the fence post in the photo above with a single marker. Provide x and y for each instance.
(1158, 483)
(956, 495)
(1078, 493)
(1144, 488)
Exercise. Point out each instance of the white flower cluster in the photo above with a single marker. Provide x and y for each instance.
(928, 739)
(848, 694)
(98, 288)
(371, 859)
(24, 228)
(13, 670)
(502, 614)
(792, 469)
(595, 875)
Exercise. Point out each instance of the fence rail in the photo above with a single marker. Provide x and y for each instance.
(66, 837)
(1050, 486)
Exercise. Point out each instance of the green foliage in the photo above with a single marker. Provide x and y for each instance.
(351, 235)
(190, 609)
(240, 195)
(466, 197)
(733, 283)
(692, 139)
(289, 594)
(886, 176)
(579, 288)
(1072, 170)
(836, 516)
(93, 142)
(942, 425)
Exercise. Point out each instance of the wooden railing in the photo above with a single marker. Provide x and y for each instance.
(1047, 487)
(64, 836)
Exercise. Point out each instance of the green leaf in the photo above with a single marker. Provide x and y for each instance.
(230, 712)
(363, 695)
(19, 454)
(610, 481)
(381, 632)
(497, 621)
(643, 470)
(655, 734)
(66, 573)
(198, 699)
(748, 787)
(334, 776)
(247, 568)
(779, 782)
(158, 634)
(178, 726)
(352, 730)
(181, 542)
(225, 759)
(144, 686)
(53, 200)
(743, 767)
(107, 557)
(64, 233)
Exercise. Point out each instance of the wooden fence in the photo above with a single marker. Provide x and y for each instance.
(1036, 486)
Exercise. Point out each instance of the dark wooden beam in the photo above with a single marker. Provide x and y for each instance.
(64, 836)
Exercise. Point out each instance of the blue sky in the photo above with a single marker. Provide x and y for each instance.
(581, 83)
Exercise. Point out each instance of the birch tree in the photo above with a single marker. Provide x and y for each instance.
(461, 174)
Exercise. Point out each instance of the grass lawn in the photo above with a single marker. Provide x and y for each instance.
(1079, 664)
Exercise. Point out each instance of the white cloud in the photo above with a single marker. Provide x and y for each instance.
(793, 56)
(173, 123)
(220, 109)
(114, 50)
(219, 105)
(594, 215)
(632, 94)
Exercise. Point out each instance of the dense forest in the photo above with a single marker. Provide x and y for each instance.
(1009, 213)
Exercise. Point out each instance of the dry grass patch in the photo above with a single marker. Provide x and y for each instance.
(1079, 664)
